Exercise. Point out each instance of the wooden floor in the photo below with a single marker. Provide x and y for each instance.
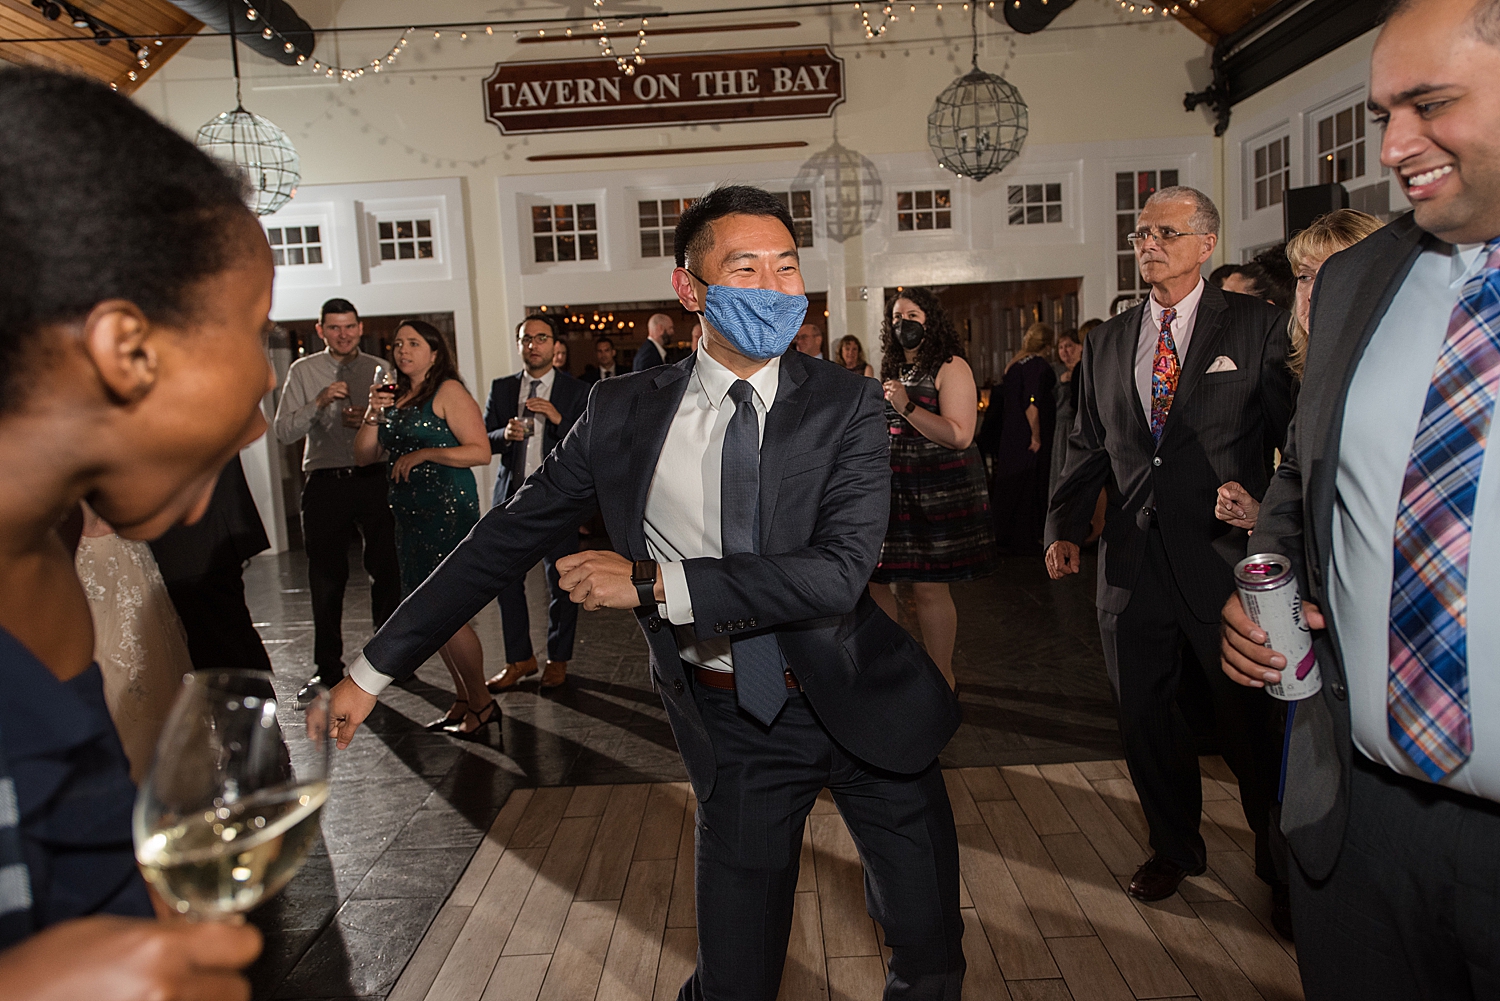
(585, 893)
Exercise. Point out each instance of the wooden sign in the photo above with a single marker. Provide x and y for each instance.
(575, 95)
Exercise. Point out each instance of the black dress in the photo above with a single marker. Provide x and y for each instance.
(1018, 496)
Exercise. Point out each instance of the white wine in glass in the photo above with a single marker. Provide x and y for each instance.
(230, 809)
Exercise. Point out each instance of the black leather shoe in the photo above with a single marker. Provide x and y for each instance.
(1281, 910)
(305, 695)
(1158, 879)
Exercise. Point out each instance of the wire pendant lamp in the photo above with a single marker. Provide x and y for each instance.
(851, 189)
(256, 146)
(978, 124)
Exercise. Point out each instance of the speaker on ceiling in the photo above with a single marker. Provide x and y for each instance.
(1030, 16)
(1300, 206)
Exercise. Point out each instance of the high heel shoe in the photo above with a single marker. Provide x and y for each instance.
(490, 714)
(443, 722)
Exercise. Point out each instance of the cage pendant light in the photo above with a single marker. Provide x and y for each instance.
(978, 124)
(851, 189)
(258, 148)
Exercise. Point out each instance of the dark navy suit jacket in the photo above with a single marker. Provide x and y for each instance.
(569, 396)
(824, 503)
(648, 356)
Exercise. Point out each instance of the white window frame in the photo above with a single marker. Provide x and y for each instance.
(1353, 98)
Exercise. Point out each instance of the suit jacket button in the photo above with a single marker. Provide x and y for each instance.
(1339, 691)
(677, 686)
(718, 627)
(750, 623)
(654, 623)
(740, 624)
(1156, 461)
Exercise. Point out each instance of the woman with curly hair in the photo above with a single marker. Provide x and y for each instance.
(940, 529)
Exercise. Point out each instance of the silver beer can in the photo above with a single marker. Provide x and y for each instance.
(1268, 589)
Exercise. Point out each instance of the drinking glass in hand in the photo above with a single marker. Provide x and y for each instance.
(385, 382)
(230, 809)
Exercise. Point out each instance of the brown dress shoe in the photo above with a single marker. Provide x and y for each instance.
(555, 674)
(1158, 879)
(513, 673)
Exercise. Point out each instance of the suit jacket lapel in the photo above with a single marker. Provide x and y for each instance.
(1208, 329)
(1368, 305)
(782, 422)
(1128, 344)
(645, 433)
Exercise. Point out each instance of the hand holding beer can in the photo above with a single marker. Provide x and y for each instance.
(1268, 590)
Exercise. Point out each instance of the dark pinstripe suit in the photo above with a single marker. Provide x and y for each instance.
(1166, 564)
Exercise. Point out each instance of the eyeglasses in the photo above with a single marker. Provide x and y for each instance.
(527, 340)
(1162, 236)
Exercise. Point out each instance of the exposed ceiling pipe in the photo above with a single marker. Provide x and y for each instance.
(276, 13)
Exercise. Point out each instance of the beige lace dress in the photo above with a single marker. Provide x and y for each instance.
(138, 640)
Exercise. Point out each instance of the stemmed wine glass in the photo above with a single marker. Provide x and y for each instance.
(385, 382)
(230, 808)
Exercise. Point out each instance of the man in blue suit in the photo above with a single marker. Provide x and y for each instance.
(746, 489)
(528, 414)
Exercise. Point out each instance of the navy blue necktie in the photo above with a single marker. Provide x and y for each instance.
(759, 671)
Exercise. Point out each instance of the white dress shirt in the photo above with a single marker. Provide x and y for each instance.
(1182, 334)
(682, 505)
(534, 453)
(1381, 416)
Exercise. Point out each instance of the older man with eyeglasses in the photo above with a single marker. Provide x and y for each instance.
(1178, 394)
(528, 414)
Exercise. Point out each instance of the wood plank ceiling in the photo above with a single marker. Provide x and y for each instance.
(114, 63)
(1211, 20)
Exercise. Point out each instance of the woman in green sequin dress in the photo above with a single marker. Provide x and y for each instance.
(433, 436)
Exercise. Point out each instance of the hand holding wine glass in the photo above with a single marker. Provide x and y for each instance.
(230, 809)
(383, 394)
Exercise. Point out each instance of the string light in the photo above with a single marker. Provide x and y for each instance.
(626, 64)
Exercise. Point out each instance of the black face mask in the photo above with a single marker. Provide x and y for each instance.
(909, 333)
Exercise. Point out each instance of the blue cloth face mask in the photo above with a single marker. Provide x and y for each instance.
(759, 323)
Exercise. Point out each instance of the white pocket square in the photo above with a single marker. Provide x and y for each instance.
(1223, 363)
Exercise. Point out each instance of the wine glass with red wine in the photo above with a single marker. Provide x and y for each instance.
(385, 382)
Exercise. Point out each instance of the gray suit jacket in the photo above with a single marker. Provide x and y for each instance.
(824, 503)
(1223, 426)
(1354, 290)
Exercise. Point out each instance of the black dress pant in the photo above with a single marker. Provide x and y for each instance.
(562, 613)
(1411, 911)
(749, 840)
(336, 505)
(1150, 635)
(220, 632)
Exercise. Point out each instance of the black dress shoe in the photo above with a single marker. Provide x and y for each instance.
(305, 694)
(1281, 910)
(1158, 879)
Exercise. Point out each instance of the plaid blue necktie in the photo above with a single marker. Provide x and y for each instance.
(1427, 693)
(759, 671)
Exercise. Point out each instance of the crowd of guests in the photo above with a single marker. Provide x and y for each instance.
(132, 341)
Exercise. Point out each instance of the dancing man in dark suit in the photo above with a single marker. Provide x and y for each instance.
(747, 489)
(528, 414)
(1179, 394)
(1386, 503)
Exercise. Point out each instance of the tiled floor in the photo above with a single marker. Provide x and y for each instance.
(586, 894)
(409, 808)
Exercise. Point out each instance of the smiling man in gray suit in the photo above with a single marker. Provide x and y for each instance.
(1179, 394)
(1388, 504)
(747, 490)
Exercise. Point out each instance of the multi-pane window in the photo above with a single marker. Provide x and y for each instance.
(1132, 189)
(296, 244)
(565, 232)
(799, 203)
(1341, 145)
(929, 208)
(1273, 172)
(658, 222)
(1034, 204)
(405, 239)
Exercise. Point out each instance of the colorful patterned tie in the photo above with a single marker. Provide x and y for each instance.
(1164, 372)
(1427, 695)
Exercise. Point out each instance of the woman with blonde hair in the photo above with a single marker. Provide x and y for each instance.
(852, 356)
(1020, 440)
(1306, 251)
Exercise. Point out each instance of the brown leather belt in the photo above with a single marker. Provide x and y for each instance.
(724, 681)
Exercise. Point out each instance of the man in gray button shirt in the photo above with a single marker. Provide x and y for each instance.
(323, 402)
(1386, 503)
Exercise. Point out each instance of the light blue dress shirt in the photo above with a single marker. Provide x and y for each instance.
(1381, 416)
